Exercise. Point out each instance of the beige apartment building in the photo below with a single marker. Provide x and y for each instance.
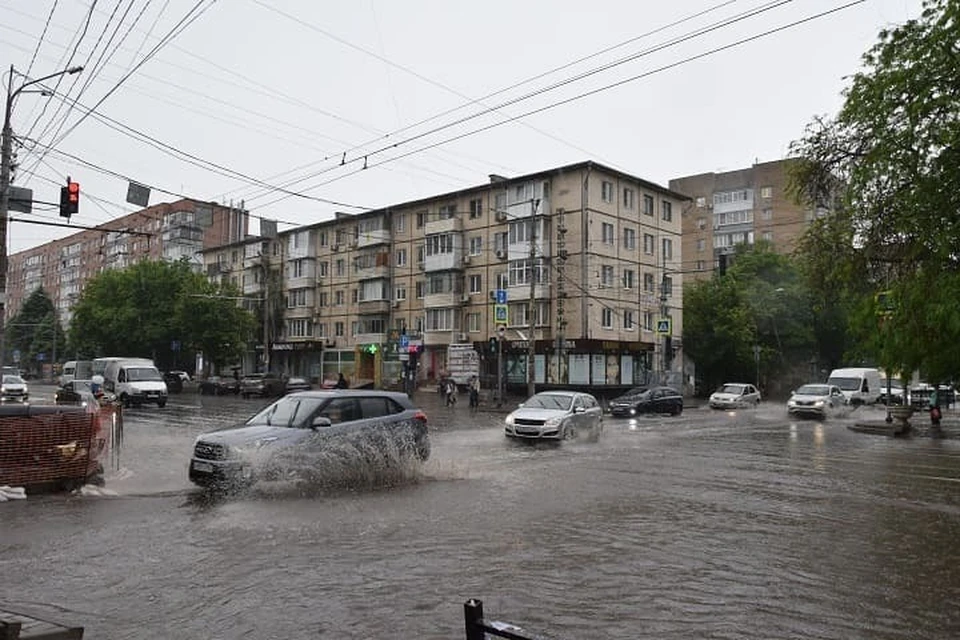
(587, 260)
(738, 207)
(170, 231)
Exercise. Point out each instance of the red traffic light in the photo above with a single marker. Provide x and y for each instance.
(70, 199)
(73, 189)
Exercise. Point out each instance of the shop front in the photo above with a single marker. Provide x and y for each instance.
(301, 359)
(600, 365)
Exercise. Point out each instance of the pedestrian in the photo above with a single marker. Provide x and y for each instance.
(450, 391)
(341, 381)
(474, 393)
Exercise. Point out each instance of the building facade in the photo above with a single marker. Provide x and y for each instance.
(739, 207)
(170, 231)
(585, 261)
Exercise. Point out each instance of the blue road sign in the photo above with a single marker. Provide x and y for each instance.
(501, 296)
(500, 315)
(404, 341)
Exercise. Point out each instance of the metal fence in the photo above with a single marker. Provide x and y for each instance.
(478, 628)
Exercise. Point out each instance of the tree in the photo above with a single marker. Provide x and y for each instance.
(889, 164)
(152, 307)
(35, 332)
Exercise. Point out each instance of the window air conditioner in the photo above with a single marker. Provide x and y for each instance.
(501, 216)
(501, 253)
(462, 337)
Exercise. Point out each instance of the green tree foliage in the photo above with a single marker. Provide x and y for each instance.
(35, 330)
(760, 303)
(145, 309)
(889, 164)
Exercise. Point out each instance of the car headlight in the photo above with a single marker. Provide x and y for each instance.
(509, 420)
(553, 422)
(791, 402)
(818, 403)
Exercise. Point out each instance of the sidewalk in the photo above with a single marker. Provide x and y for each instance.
(920, 425)
(427, 398)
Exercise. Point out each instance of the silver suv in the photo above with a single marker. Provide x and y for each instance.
(235, 455)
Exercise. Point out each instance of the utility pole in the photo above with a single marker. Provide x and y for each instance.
(265, 266)
(6, 163)
(531, 351)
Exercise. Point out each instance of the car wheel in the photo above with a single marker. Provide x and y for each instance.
(423, 449)
(125, 401)
(569, 432)
(678, 410)
(161, 403)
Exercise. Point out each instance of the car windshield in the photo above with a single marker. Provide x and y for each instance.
(636, 391)
(735, 389)
(12, 380)
(288, 412)
(847, 384)
(143, 374)
(814, 390)
(560, 401)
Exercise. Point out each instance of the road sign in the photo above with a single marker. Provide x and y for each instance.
(664, 326)
(501, 296)
(500, 314)
(404, 341)
(21, 199)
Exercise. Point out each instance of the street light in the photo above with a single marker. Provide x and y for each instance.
(6, 154)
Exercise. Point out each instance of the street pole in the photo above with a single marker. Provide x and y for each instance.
(531, 351)
(266, 313)
(6, 162)
(499, 372)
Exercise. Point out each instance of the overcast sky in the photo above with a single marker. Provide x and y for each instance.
(277, 91)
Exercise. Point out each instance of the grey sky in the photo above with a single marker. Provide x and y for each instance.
(261, 87)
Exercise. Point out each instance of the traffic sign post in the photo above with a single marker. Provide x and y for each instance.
(664, 326)
(501, 296)
(501, 314)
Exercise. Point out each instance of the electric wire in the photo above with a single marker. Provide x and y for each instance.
(43, 34)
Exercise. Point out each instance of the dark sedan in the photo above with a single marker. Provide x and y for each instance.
(652, 400)
(218, 386)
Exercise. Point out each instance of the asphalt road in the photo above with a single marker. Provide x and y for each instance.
(711, 525)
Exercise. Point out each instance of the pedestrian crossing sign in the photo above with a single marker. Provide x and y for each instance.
(664, 326)
(500, 315)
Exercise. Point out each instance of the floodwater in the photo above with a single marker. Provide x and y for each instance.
(712, 525)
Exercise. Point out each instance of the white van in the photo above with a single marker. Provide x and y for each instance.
(76, 370)
(860, 385)
(135, 381)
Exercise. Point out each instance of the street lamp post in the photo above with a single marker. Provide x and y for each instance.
(6, 161)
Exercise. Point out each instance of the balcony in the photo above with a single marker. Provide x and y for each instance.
(373, 237)
(370, 273)
(374, 306)
(438, 338)
(444, 225)
(370, 338)
(521, 250)
(298, 312)
(444, 261)
(447, 299)
(522, 292)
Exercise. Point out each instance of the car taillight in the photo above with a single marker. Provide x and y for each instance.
(420, 415)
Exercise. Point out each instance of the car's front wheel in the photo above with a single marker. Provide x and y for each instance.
(569, 432)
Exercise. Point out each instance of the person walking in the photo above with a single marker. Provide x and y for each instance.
(341, 382)
(474, 393)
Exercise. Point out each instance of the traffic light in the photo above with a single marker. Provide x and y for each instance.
(69, 199)
(493, 345)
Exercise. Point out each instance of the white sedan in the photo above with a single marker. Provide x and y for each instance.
(555, 415)
(816, 400)
(735, 395)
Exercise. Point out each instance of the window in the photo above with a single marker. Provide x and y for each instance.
(421, 218)
(401, 257)
(629, 278)
(324, 299)
(768, 236)
(628, 322)
(324, 269)
(666, 210)
(606, 191)
(606, 318)
(355, 296)
(297, 298)
(338, 329)
(473, 322)
(420, 253)
(701, 245)
(701, 223)
(630, 239)
(606, 275)
(520, 231)
(476, 283)
(629, 198)
(701, 202)
(440, 319)
(400, 294)
(341, 265)
(666, 287)
(766, 192)
(667, 249)
(447, 211)
(767, 214)
(701, 265)
(300, 328)
(648, 320)
(648, 205)
(400, 222)
(321, 330)
(419, 288)
(439, 244)
(648, 283)
(520, 272)
(733, 217)
(607, 233)
(729, 197)
(338, 298)
(503, 280)
(518, 314)
(476, 209)
(648, 244)
(476, 245)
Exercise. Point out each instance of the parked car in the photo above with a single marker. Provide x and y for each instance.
(79, 392)
(297, 384)
(735, 395)
(236, 455)
(816, 400)
(648, 400)
(261, 384)
(218, 386)
(14, 389)
(183, 375)
(555, 415)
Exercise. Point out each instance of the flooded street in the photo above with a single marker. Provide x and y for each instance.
(712, 525)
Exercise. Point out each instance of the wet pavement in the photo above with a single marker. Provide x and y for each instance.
(711, 525)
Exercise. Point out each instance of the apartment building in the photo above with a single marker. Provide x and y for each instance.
(169, 231)
(738, 207)
(586, 259)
